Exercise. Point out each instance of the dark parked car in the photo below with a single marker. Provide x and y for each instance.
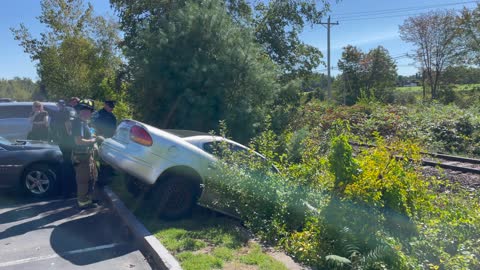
(31, 166)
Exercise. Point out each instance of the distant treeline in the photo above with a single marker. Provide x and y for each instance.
(20, 89)
(451, 75)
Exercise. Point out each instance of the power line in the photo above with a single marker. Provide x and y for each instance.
(397, 10)
(382, 17)
(393, 57)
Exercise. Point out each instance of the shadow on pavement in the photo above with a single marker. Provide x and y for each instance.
(80, 237)
(47, 217)
(90, 239)
(28, 211)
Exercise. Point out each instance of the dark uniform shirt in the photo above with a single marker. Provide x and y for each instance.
(81, 129)
(105, 123)
(57, 126)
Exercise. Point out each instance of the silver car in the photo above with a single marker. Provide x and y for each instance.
(14, 123)
(176, 166)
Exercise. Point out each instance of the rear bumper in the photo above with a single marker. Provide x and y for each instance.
(126, 163)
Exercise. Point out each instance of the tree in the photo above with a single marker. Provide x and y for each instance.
(76, 53)
(469, 24)
(373, 73)
(461, 75)
(352, 73)
(20, 89)
(276, 26)
(434, 35)
(192, 65)
(381, 73)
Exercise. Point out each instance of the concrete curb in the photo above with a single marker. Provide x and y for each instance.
(155, 252)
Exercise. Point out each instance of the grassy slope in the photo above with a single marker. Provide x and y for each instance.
(414, 89)
(205, 240)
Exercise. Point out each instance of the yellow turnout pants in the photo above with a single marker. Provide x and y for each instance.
(86, 176)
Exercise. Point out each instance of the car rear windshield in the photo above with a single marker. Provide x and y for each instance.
(21, 111)
(17, 111)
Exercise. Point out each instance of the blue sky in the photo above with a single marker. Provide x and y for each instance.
(357, 27)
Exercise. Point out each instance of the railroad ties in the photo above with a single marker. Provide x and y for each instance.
(454, 163)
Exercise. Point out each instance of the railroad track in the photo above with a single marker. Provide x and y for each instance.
(454, 163)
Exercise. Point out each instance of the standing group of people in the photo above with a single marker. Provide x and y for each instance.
(77, 129)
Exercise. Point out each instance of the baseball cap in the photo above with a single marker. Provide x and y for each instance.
(110, 103)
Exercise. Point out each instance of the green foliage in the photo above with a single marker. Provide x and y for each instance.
(388, 179)
(77, 51)
(202, 241)
(278, 25)
(375, 210)
(423, 32)
(342, 163)
(224, 253)
(448, 236)
(435, 126)
(373, 73)
(468, 22)
(191, 261)
(20, 89)
(210, 70)
(337, 261)
(110, 91)
(257, 257)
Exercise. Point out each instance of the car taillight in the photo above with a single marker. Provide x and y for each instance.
(140, 135)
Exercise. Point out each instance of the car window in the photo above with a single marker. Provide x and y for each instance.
(215, 148)
(17, 111)
(211, 148)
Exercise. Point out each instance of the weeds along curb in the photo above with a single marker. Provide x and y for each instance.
(154, 251)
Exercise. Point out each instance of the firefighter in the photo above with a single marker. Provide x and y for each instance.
(82, 155)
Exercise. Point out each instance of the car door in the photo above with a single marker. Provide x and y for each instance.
(214, 195)
(9, 167)
(14, 123)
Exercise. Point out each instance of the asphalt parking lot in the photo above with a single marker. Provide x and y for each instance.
(56, 235)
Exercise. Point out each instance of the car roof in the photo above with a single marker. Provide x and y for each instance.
(26, 103)
(185, 133)
(211, 138)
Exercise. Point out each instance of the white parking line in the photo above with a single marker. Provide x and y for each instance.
(47, 257)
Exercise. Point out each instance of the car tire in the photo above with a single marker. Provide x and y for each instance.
(175, 197)
(39, 180)
(133, 186)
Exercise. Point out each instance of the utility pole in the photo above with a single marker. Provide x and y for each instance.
(329, 24)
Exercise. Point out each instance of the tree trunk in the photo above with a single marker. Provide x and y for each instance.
(423, 86)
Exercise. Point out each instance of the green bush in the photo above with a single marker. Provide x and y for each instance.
(340, 210)
(437, 127)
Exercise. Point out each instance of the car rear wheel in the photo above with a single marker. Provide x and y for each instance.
(39, 181)
(134, 187)
(176, 197)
